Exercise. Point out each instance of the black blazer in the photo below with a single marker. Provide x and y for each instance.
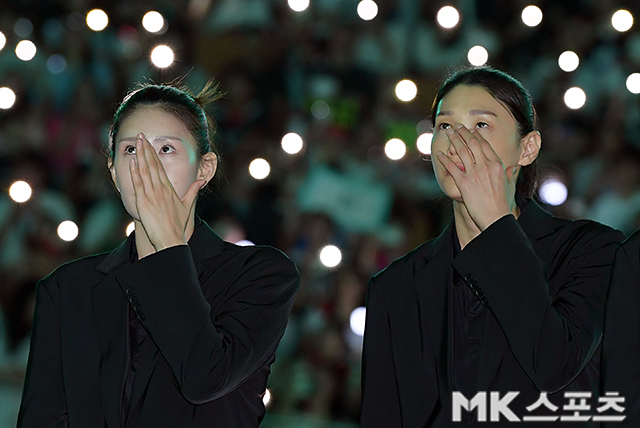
(544, 281)
(214, 311)
(621, 343)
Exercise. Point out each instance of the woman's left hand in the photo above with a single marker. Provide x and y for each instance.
(164, 216)
(487, 189)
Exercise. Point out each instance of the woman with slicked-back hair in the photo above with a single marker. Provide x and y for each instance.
(502, 314)
(175, 327)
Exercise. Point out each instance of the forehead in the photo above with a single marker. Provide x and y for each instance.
(465, 98)
(153, 122)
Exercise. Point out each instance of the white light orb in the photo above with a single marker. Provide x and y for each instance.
(622, 20)
(298, 5)
(130, 228)
(367, 10)
(395, 149)
(20, 191)
(357, 320)
(7, 98)
(330, 256)
(162, 56)
(531, 16)
(568, 61)
(67, 230)
(292, 143)
(424, 143)
(259, 169)
(575, 98)
(633, 83)
(406, 90)
(448, 17)
(3, 40)
(26, 50)
(266, 398)
(478, 56)
(152, 21)
(553, 192)
(245, 243)
(97, 20)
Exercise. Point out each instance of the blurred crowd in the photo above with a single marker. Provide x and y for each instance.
(329, 76)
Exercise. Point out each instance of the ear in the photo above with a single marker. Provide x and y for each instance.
(208, 166)
(531, 144)
(112, 170)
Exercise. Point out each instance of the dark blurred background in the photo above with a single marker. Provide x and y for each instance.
(329, 76)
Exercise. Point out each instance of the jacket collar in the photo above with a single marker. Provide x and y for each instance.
(204, 244)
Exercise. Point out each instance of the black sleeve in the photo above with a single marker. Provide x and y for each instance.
(209, 353)
(380, 399)
(621, 342)
(551, 337)
(43, 400)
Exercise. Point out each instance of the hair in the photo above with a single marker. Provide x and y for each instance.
(177, 101)
(515, 97)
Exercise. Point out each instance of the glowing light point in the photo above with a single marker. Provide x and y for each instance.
(575, 98)
(478, 56)
(7, 98)
(330, 256)
(266, 398)
(448, 17)
(67, 230)
(367, 10)
(20, 191)
(622, 20)
(406, 90)
(152, 21)
(424, 143)
(130, 228)
(245, 243)
(292, 143)
(553, 192)
(298, 5)
(633, 83)
(97, 20)
(568, 61)
(357, 320)
(3, 40)
(395, 149)
(162, 56)
(259, 169)
(531, 16)
(26, 50)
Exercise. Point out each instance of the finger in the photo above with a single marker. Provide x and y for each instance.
(162, 176)
(488, 151)
(190, 196)
(449, 165)
(138, 187)
(152, 161)
(461, 148)
(142, 167)
(473, 140)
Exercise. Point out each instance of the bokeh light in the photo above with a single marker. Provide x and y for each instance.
(298, 5)
(367, 10)
(152, 21)
(259, 169)
(26, 50)
(320, 109)
(67, 230)
(633, 83)
(568, 61)
(330, 256)
(424, 143)
(162, 56)
(531, 16)
(553, 192)
(245, 243)
(7, 98)
(266, 398)
(395, 149)
(575, 98)
(97, 20)
(622, 20)
(56, 63)
(478, 56)
(448, 17)
(292, 143)
(20, 191)
(3, 40)
(406, 90)
(130, 228)
(357, 320)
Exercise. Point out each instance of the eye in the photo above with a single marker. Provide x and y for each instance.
(444, 125)
(167, 149)
(482, 125)
(130, 150)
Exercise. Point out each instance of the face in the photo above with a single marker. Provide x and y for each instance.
(480, 112)
(171, 140)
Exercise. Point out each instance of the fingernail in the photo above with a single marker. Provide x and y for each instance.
(440, 152)
(459, 126)
(451, 131)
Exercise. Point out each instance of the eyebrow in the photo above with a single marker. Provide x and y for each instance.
(158, 138)
(471, 113)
